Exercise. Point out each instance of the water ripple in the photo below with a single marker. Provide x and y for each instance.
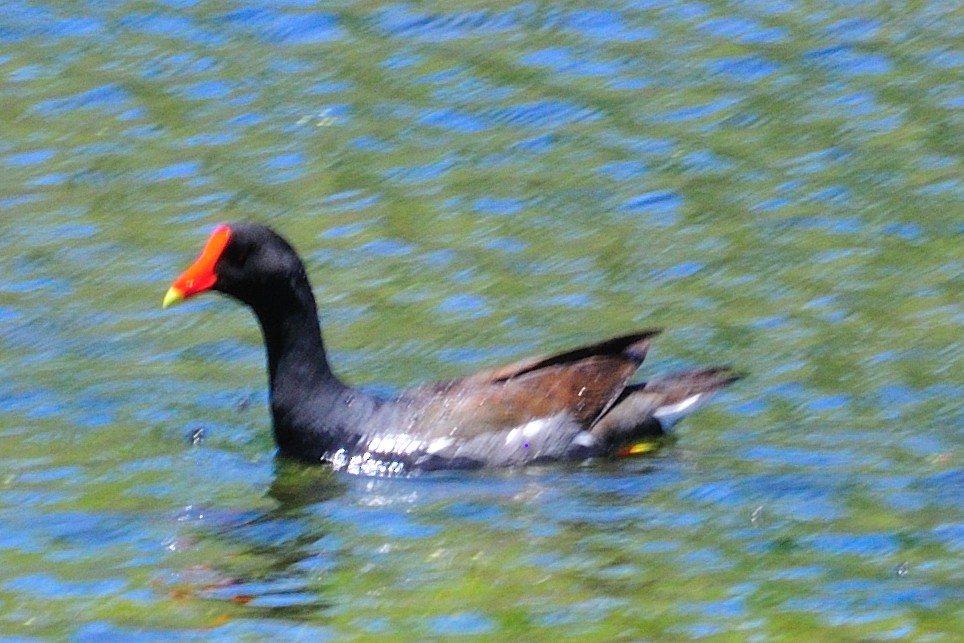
(545, 114)
(110, 98)
(401, 21)
(285, 28)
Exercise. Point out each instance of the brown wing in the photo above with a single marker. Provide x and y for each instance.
(623, 346)
(581, 383)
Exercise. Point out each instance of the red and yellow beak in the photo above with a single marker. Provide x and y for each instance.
(200, 276)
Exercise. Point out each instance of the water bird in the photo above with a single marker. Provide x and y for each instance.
(576, 404)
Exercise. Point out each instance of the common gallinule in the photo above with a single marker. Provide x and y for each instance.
(575, 404)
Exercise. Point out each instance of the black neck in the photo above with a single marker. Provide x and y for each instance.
(298, 369)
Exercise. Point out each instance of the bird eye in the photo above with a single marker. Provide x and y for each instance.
(240, 256)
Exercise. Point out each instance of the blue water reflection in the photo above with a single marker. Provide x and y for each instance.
(284, 28)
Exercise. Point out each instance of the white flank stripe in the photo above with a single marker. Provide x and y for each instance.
(438, 444)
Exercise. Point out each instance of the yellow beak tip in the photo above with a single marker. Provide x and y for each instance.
(172, 297)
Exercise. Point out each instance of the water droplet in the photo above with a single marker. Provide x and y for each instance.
(196, 435)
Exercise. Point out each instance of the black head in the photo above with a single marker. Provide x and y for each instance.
(247, 261)
(257, 263)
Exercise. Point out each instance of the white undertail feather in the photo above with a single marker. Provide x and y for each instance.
(670, 414)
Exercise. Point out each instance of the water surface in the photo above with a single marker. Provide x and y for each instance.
(777, 184)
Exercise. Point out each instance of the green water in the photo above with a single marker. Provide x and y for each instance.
(776, 184)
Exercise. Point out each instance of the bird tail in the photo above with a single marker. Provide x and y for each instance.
(651, 408)
(679, 394)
